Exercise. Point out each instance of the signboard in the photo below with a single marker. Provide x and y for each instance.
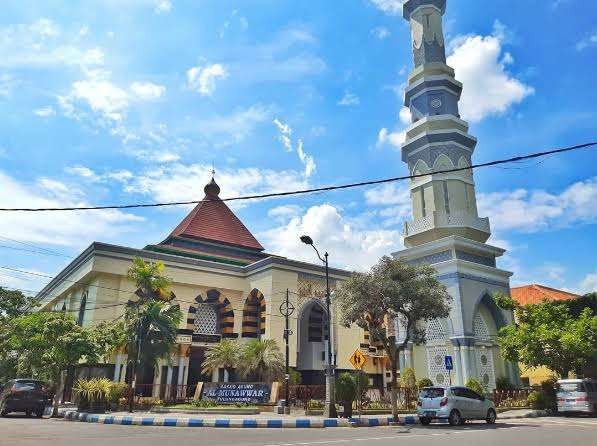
(230, 393)
(207, 338)
(448, 362)
(358, 360)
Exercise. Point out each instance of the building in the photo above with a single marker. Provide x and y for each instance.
(534, 294)
(227, 287)
(446, 230)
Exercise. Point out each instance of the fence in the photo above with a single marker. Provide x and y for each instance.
(167, 393)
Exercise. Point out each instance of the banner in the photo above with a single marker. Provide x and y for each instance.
(230, 393)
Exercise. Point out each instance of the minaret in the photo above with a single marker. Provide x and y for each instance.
(443, 204)
(446, 230)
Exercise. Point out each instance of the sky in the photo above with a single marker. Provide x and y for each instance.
(126, 101)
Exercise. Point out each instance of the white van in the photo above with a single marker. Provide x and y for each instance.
(577, 396)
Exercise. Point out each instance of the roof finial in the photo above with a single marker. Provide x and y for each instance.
(212, 190)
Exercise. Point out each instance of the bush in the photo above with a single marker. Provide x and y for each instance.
(475, 385)
(204, 403)
(424, 382)
(315, 404)
(295, 377)
(503, 383)
(537, 399)
(548, 387)
(117, 391)
(408, 379)
(346, 392)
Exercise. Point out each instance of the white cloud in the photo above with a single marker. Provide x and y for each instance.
(588, 41)
(391, 7)
(589, 283)
(82, 171)
(224, 130)
(43, 44)
(203, 79)
(405, 116)
(176, 181)
(162, 6)
(395, 139)
(101, 95)
(285, 138)
(284, 212)
(147, 90)
(349, 99)
(381, 32)
(75, 229)
(349, 246)
(45, 112)
(535, 210)
(394, 198)
(552, 271)
(307, 160)
(481, 66)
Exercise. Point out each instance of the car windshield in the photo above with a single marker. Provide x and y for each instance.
(24, 386)
(432, 392)
(571, 387)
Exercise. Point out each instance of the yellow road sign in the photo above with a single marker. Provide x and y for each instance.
(358, 360)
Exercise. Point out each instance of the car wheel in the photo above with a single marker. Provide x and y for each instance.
(39, 413)
(425, 421)
(454, 419)
(462, 421)
(490, 419)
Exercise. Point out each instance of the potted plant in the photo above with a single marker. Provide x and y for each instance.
(346, 392)
(92, 394)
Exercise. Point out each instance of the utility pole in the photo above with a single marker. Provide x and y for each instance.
(286, 309)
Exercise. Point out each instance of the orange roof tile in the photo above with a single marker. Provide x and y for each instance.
(213, 220)
(534, 294)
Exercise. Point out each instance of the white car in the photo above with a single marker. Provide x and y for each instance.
(455, 404)
(577, 396)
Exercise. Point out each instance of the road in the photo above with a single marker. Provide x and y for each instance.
(18, 431)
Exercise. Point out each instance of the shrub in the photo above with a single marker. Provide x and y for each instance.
(537, 399)
(424, 382)
(315, 404)
(503, 383)
(475, 385)
(117, 391)
(548, 387)
(408, 379)
(346, 392)
(295, 377)
(204, 403)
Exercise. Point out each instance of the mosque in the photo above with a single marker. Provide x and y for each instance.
(229, 287)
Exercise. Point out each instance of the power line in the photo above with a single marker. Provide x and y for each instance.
(311, 190)
(40, 248)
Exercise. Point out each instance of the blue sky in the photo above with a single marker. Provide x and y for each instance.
(118, 101)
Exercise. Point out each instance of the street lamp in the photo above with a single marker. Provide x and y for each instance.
(329, 410)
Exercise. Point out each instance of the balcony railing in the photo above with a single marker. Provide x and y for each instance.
(444, 220)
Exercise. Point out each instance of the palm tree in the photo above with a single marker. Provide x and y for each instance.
(151, 321)
(262, 359)
(223, 355)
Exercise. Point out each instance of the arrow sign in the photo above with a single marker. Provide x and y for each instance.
(358, 360)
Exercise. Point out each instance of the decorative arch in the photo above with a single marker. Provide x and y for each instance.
(215, 310)
(443, 162)
(312, 334)
(420, 167)
(486, 300)
(463, 162)
(254, 315)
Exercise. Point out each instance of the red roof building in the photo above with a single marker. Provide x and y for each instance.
(211, 231)
(534, 294)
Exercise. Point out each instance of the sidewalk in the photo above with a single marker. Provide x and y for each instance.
(264, 420)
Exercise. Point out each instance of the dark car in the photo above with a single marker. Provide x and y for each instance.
(24, 395)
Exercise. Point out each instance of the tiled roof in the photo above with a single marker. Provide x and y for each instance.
(213, 220)
(534, 294)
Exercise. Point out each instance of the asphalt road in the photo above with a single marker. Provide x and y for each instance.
(18, 431)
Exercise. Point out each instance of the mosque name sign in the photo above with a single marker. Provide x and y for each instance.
(230, 393)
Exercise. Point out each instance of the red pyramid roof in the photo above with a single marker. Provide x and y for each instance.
(535, 293)
(213, 220)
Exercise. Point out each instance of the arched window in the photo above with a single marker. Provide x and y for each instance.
(206, 319)
(214, 309)
(254, 315)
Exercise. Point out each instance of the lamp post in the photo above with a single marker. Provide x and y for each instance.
(329, 410)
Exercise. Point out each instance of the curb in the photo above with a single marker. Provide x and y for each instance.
(235, 423)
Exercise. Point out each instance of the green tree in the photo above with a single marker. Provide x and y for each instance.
(391, 290)
(151, 321)
(475, 385)
(346, 392)
(47, 344)
(223, 355)
(13, 304)
(262, 359)
(561, 336)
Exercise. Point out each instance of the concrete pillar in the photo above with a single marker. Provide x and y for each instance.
(168, 391)
(117, 367)
(408, 355)
(464, 359)
(157, 380)
(226, 377)
(181, 367)
(458, 366)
